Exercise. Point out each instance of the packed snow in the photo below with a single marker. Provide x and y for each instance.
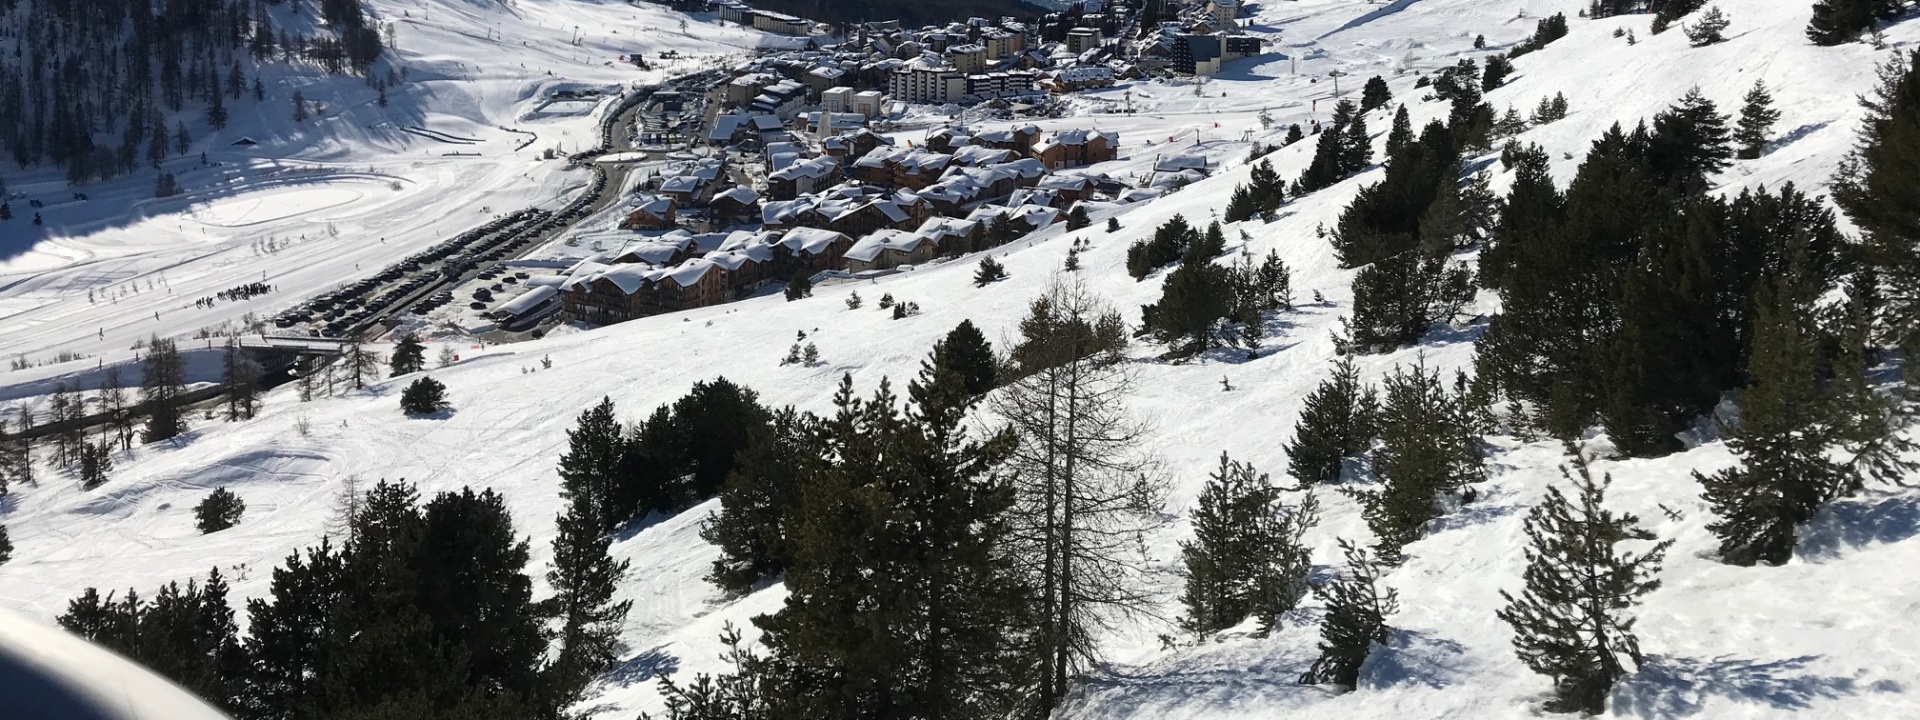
(1830, 634)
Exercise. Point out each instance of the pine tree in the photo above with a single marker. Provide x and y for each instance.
(1374, 94)
(95, 462)
(1356, 147)
(299, 103)
(1840, 21)
(424, 396)
(1246, 558)
(584, 578)
(1077, 218)
(1709, 28)
(758, 502)
(1784, 476)
(6, 546)
(1294, 134)
(899, 601)
(1873, 188)
(1495, 74)
(1756, 118)
(409, 356)
(596, 450)
(1427, 459)
(1194, 299)
(1574, 620)
(967, 354)
(799, 286)
(1356, 619)
(221, 509)
(241, 379)
(1113, 225)
(810, 356)
(1401, 134)
(1690, 142)
(1337, 425)
(161, 385)
(989, 272)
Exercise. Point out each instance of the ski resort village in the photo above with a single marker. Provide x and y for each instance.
(973, 360)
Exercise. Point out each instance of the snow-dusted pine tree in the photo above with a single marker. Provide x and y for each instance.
(1574, 620)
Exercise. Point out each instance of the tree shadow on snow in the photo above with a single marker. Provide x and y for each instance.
(1857, 522)
(1447, 334)
(1791, 136)
(649, 664)
(1678, 687)
(1413, 657)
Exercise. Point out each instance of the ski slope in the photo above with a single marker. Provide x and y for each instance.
(353, 188)
(1831, 634)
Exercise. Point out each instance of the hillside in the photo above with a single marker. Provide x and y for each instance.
(1832, 633)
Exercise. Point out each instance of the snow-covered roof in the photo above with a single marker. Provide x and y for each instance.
(743, 195)
(811, 167)
(810, 240)
(528, 300)
(871, 246)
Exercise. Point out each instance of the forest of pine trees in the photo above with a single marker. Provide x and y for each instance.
(425, 611)
(121, 68)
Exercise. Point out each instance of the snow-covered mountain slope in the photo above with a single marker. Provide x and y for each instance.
(351, 189)
(1830, 634)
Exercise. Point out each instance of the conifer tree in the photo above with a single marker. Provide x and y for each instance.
(1574, 620)
(1690, 142)
(1194, 299)
(1840, 21)
(409, 356)
(1113, 225)
(423, 397)
(1428, 456)
(989, 272)
(219, 510)
(1356, 619)
(1709, 28)
(161, 385)
(1873, 186)
(1495, 74)
(1782, 439)
(899, 603)
(1401, 134)
(592, 464)
(584, 578)
(94, 462)
(1294, 134)
(1374, 94)
(1077, 218)
(758, 503)
(1338, 423)
(6, 546)
(1083, 486)
(1356, 147)
(1246, 558)
(241, 379)
(1757, 117)
(362, 365)
(966, 352)
(799, 286)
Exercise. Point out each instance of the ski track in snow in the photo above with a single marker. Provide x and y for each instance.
(1830, 634)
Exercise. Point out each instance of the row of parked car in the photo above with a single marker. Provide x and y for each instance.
(351, 307)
